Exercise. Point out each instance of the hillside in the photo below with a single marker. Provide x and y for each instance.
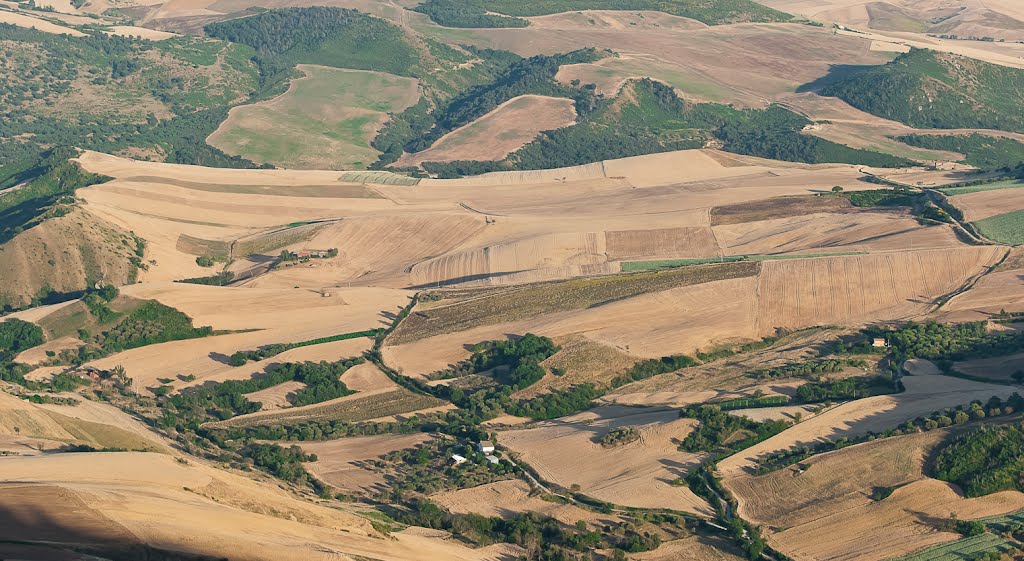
(927, 89)
(504, 13)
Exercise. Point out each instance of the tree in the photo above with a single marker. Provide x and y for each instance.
(837, 189)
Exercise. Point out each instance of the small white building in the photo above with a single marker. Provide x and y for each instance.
(493, 459)
(458, 460)
(485, 447)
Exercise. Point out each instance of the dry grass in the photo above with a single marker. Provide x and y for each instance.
(508, 498)
(568, 452)
(341, 462)
(503, 130)
(364, 406)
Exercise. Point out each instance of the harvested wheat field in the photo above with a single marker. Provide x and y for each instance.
(924, 394)
(984, 204)
(832, 496)
(508, 498)
(828, 233)
(505, 129)
(342, 462)
(23, 20)
(998, 369)
(567, 452)
(1003, 290)
(694, 548)
(197, 509)
(22, 421)
(854, 289)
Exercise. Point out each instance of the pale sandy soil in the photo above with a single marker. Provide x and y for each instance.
(21, 420)
(829, 233)
(832, 497)
(199, 509)
(503, 130)
(984, 204)
(275, 397)
(924, 394)
(341, 462)
(366, 377)
(36, 355)
(24, 20)
(853, 289)
(994, 292)
(145, 33)
(507, 498)
(786, 413)
(638, 474)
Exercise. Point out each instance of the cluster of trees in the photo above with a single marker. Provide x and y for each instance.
(428, 468)
(846, 388)
(984, 461)
(542, 538)
(945, 343)
(466, 13)
(189, 409)
(619, 436)
(151, 323)
(652, 367)
(925, 89)
(57, 61)
(981, 151)
(328, 36)
(938, 419)
(726, 352)
(900, 196)
(220, 279)
(283, 463)
(520, 359)
(808, 368)
(723, 433)
(47, 181)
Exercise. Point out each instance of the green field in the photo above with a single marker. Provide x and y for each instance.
(1012, 184)
(325, 120)
(1004, 228)
(961, 550)
(630, 266)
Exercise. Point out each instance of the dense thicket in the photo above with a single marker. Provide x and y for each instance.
(480, 13)
(985, 461)
(926, 89)
(42, 181)
(327, 36)
(519, 358)
(979, 150)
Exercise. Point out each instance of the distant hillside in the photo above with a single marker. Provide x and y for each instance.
(648, 117)
(48, 245)
(926, 89)
(509, 13)
(115, 94)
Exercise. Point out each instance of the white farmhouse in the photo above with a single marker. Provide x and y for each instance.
(485, 447)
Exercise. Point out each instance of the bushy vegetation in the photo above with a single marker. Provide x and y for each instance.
(474, 13)
(151, 323)
(39, 186)
(619, 436)
(542, 538)
(846, 388)
(808, 368)
(18, 335)
(220, 279)
(519, 358)
(722, 433)
(981, 151)
(43, 69)
(327, 36)
(283, 463)
(986, 460)
(189, 409)
(925, 89)
(649, 118)
(266, 351)
(428, 468)
(947, 342)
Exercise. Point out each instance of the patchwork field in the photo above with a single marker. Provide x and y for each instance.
(502, 131)
(336, 111)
